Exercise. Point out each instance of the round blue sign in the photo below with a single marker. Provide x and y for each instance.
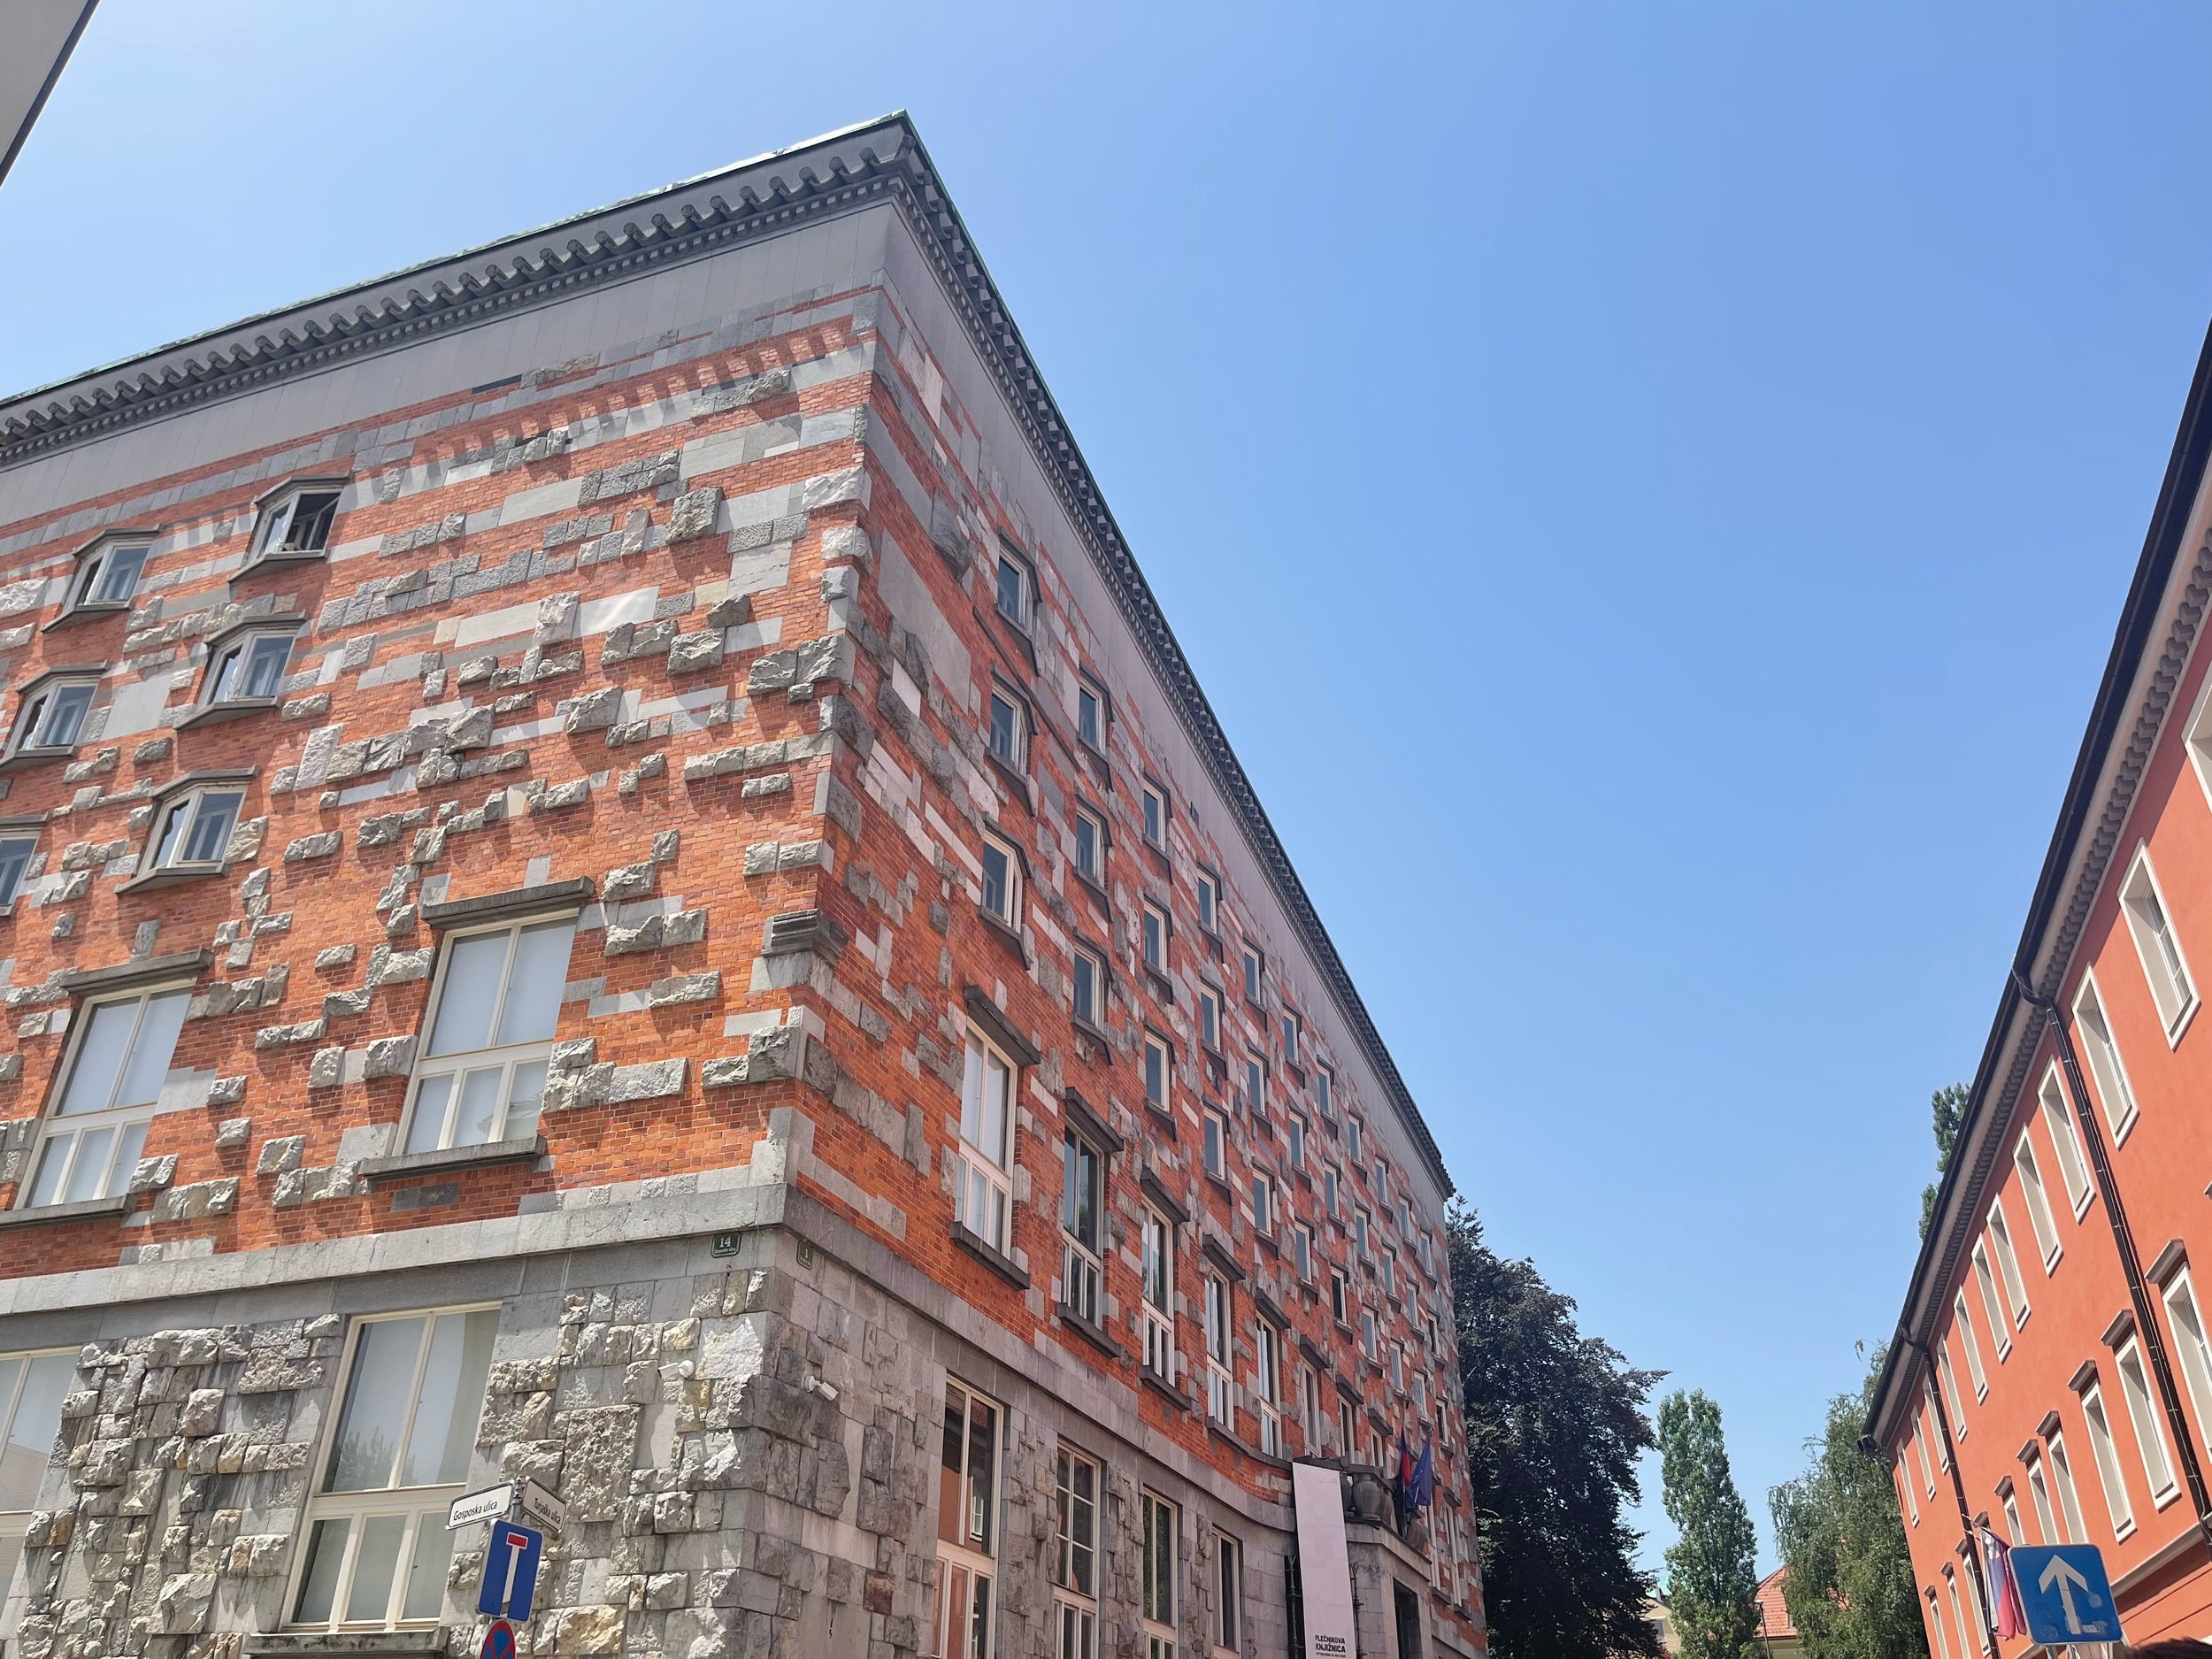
(499, 1640)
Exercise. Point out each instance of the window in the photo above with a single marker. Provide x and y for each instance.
(1325, 1089)
(377, 1545)
(1007, 735)
(1082, 1206)
(1983, 1277)
(1090, 714)
(1920, 1452)
(1339, 1305)
(1016, 587)
(984, 1190)
(1208, 901)
(1216, 1143)
(1958, 1612)
(2039, 1491)
(1328, 1191)
(482, 1074)
(1367, 1332)
(1158, 1073)
(2038, 1201)
(1301, 1251)
(1310, 1420)
(1075, 1560)
(53, 714)
(1950, 1388)
(1360, 1224)
(1973, 1349)
(1228, 1620)
(1263, 1202)
(32, 1387)
(97, 1129)
(2063, 1485)
(1974, 1601)
(1158, 1523)
(2104, 1059)
(1251, 975)
(192, 830)
(1941, 1646)
(294, 524)
(2009, 1264)
(1905, 1488)
(1002, 895)
(2189, 1343)
(2058, 1119)
(1352, 1139)
(2156, 945)
(1267, 1350)
(1209, 1017)
(1390, 1275)
(2135, 1396)
(1256, 1085)
(1347, 1426)
(1297, 1141)
(1090, 980)
(247, 665)
(1158, 1287)
(1156, 816)
(1935, 1425)
(2107, 1456)
(1090, 848)
(107, 576)
(1219, 1352)
(15, 858)
(1156, 939)
(967, 1527)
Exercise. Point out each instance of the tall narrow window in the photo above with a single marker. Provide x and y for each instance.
(1158, 1524)
(294, 524)
(1001, 897)
(1942, 1646)
(481, 1078)
(32, 1388)
(1219, 1350)
(1228, 1619)
(97, 1128)
(1005, 735)
(1251, 975)
(1256, 1085)
(1087, 987)
(1973, 1349)
(1325, 1089)
(1014, 590)
(2039, 1492)
(2107, 1454)
(1998, 1326)
(1907, 1490)
(1352, 1139)
(1312, 1422)
(2160, 951)
(1209, 1017)
(1950, 1382)
(1156, 939)
(1297, 1132)
(1216, 1143)
(2190, 1344)
(1154, 819)
(2063, 1488)
(2014, 1532)
(2008, 1265)
(1090, 848)
(1159, 1288)
(967, 1611)
(2105, 1065)
(1920, 1453)
(1301, 1252)
(1967, 1644)
(2038, 1201)
(1082, 1191)
(1294, 1029)
(984, 1190)
(1935, 1425)
(1339, 1300)
(1075, 1559)
(2135, 1396)
(1974, 1601)
(1208, 901)
(378, 1550)
(1267, 1349)
(1158, 1073)
(16, 852)
(1090, 715)
(2058, 1117)
(1262, 1202)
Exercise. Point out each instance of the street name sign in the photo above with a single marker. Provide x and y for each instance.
(511, 1571)
(488, 1505)
(2065, 1593)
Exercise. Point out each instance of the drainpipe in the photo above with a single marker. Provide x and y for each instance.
(1958, 1491)
(2131, 1264)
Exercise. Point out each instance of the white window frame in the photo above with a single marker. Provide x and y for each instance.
(1024, 590)
(1339, 1297)
(1967, 1643)
(2015, 1287)
(1297, 1140)
(1905, 1489)
(15, 1525)
(2105, 1452)
(1228, 1608)
(129, 1122)
(2062, 1468)
(1975, 1374)
(1950, 1382)
(1255, 967)
(1935, 1425)
(1152, 816)
(1267, 1383)
(1158, 1589)
(423, 1506)
(1255, 1084)
(1991, 1302)
(1153, 935)
(1262, 1202)
(2039, 1497)
(16, 852)
(2142, 1415)
(1324, 1088)
(242, 646)
(2015, 1528)
(1207, 886)
(2058, 1123)
(1095, 1015)
(2041, 1219)
(1015, 755)
(34, 715)
(1083, 1262)
(1209, 1017)
(1156, 1292)
(1974, 1601)
(513, 1059)
(983, 1178)
(2192, 1343)
(1941, 1646)
(279, 510)
(1010, 915)
(1089, 692)
(1216, 1142)
(186, 809)
(1075, 1559)
(1313, 1423)
(1095, 872)
(1920, 1453)
(1159, 1072)
(1302, 1250)
(974, 1558)
(1220, 1306)
(2107, 1066)
(95, 560)
(2150, 921)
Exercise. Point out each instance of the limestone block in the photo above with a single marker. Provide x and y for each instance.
(233, 1132)
(284, 1036)
(593, 711)
(321, 846)
(628, 882)
(691, 515)
(282, 1154)
(389, 1056)
(684, 987)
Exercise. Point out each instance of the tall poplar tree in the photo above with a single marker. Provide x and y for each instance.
(1712, 1584)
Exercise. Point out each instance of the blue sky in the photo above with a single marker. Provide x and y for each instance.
(1648, 489)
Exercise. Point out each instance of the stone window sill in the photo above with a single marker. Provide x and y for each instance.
(23, 759)
(1090, 884)
(1167, 1390)
(991, 1256)
(89, 612)
(280, 558)
(170, 875)
(1096, 1335)
(1003, 933)
(382, 1644)
(1012, 776)
(229, 709)
(487, 1155)
(55, 1214)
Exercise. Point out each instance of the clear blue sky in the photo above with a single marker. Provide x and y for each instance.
(1648, 489)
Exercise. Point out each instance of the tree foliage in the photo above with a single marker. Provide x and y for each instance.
(1947, 1107)
(1712, 1585)
(1555, 1426)
(1850, 1585)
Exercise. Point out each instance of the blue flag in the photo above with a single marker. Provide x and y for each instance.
(1424, 1492)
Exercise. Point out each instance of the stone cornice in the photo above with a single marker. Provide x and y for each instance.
(879, 161)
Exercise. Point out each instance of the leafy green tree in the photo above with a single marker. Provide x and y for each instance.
(1555, 1426)
(1712, 1585)
(1850, 1585)
(1947, 1106)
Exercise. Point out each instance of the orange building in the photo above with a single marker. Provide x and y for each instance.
(2051, 1374)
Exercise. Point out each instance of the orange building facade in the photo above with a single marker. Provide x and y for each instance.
(2051, 1375)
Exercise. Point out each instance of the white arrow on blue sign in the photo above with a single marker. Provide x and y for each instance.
(2065, 1593)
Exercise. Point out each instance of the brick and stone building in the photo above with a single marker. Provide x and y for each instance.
(2050, 1377)
(612, 876)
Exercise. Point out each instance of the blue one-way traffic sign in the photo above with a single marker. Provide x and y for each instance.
(2065, 1593)
(511, 1571)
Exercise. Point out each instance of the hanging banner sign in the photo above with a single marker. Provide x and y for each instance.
(1325, 1565)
